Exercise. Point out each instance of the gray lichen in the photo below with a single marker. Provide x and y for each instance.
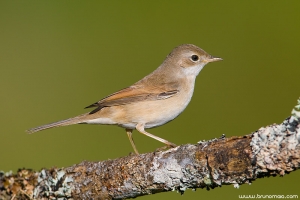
(277, 148)
(54, 184)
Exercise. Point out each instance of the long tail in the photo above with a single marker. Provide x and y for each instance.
(66, 122)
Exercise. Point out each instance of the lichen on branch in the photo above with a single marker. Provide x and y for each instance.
(271, 150)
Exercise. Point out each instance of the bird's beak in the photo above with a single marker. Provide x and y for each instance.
(213, 59)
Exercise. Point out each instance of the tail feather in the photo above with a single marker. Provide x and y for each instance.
(66, 122)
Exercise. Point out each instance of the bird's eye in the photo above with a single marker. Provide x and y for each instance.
(195, 58)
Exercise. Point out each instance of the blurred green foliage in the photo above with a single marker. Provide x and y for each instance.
(56, 57)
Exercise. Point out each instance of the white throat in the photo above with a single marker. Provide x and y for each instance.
(194, 70)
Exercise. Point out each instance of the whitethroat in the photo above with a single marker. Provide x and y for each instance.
(153, 101)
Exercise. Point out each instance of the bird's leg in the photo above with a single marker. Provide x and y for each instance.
(129, 134)
(141, 129)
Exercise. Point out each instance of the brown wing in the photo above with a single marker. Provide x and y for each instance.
(130, 95)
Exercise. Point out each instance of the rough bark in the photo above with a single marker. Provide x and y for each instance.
(237, 160)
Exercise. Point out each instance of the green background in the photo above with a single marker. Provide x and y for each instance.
(57, 57)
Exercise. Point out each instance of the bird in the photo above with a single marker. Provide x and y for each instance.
(155, 100)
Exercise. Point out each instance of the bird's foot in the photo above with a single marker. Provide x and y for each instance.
(169, 146)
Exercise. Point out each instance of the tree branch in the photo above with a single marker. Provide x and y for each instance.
(237, 160)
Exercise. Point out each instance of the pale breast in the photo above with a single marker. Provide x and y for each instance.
(158, 112)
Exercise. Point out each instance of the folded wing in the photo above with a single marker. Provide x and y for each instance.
(132, 94)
